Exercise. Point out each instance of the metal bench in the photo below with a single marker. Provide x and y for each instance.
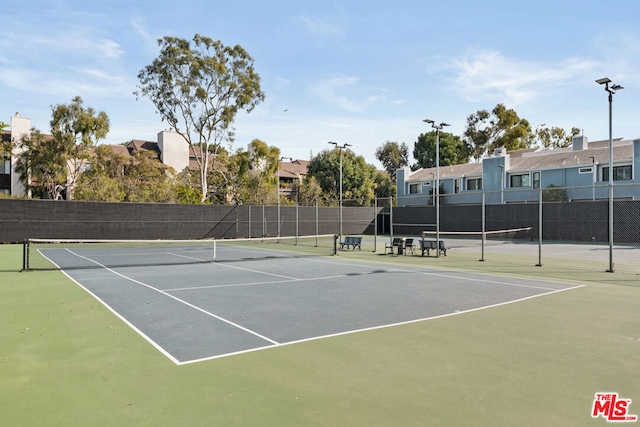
(397, 242)
(351, 241)
(428, 245)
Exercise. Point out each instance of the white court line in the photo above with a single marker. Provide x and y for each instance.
(391, 325)
(276, 344)
(420, 270)
(255, 283)
(215, 316)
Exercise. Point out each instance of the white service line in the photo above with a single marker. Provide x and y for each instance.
(215, 316)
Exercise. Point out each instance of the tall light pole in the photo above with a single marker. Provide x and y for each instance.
(437, 127)
(611, 90)
(340, 147)
(278, 188)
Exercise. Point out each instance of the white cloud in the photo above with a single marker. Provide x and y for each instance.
(489, 75)
(333, 26)
(338, 92)
(332, 92)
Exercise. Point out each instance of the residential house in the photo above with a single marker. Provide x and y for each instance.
(170, 148)
(582, 170)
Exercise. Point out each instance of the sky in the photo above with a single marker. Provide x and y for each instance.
(355, 72)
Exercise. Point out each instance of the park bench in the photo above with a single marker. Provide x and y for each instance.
(428, 245)
(351, 241)
(398, 243)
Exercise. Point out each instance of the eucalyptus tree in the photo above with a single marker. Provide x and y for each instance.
(393, 156)
(501, 128)
(198, 87)
(53, 163)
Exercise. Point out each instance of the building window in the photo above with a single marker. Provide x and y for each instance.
(474, 183)
(536, 180)
(520, 180)
(585, 170)
(5, 167)
(620, 173)
(456, 186)
(414, 188)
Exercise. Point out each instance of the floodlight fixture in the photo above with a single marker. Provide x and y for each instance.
(611, 90)
(340, 147)
(436, 191)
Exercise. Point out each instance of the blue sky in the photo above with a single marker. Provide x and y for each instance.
(356, 72)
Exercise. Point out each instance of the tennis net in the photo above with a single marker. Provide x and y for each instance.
(508, 240)
(65, 254)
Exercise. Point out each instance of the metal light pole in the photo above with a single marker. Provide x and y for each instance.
(611, 90)
(340, 147)
(278, 189)
(437, 127)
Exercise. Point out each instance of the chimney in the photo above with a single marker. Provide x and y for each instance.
(579, 142)
(499, 152)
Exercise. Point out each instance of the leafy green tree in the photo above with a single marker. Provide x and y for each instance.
(501, 128)
(5, 146)
(198, 88)
(42, 165)
(358, 177)
(553, 137)
(553, 193)
(309, 192)
(75, 130)
(117, 178)
(103, 181)
(393, 156)
(453, 150)
(50, 165)
(385, 186)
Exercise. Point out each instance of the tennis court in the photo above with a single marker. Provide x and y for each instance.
(196, 302)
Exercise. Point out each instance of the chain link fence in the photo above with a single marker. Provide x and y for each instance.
(573, 227)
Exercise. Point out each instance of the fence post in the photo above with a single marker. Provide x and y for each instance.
(375, 222)
(484, 236)
(539, 264)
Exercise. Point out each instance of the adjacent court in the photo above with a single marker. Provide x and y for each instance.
(195, 304)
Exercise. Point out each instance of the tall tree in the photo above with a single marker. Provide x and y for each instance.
(393, 156)
(75, 130)
(553, 137)
(198, 88)
(42, 165)
(501, 128)
(453, 150)
(117, 178)
(358, 177)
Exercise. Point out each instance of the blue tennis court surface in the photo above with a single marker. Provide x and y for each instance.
(201, 311)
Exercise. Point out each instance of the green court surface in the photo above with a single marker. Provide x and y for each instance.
(66, 360)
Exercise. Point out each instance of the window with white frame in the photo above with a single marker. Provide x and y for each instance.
(414, 188)
(474, 183)
(620, 173)
(536, 180)
(520, 180)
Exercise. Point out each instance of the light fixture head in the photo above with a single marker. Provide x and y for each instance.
(331, 142)
(616, 87)
(603, 80)
(444, 124)
(429, 121)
